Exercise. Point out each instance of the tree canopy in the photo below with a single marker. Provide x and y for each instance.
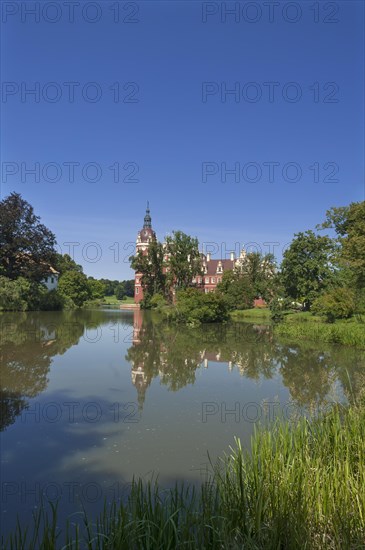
(184, 260)
(307, 267)
(151, 266)
(26, 245)
(349, 224)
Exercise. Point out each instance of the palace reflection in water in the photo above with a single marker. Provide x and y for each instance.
(313, 374)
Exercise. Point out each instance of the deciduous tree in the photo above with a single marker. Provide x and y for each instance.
(26, 245)
(307, 267)
(184, 260)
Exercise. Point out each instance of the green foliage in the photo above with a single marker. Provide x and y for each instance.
(360, 302)
(75, 286)
(52, 301)
(120, 291)
(253, 315)
(253, 277)
(129, 287)
(110, 286)
(14, 294)
(237, 289)
(26, 245)
(346, 333)
(23, 295)
(277, 310)
(184, 260)
(64, 263)
(306, 269)
(337, 303)
(157, 301)
(123, 288)
(349, 224)
(159, 276)
(194, 306)
(151, 265)
(96, 288)
(259, 272)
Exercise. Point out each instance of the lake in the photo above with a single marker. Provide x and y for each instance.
(91, 398)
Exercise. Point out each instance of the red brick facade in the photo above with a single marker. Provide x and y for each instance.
(144, 238)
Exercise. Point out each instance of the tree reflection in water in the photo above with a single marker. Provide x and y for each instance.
(29, 341)
(313, 375)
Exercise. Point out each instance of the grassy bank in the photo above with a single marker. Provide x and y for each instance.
(113, 301)
(304, 326)
(254, 315)
(302, 486)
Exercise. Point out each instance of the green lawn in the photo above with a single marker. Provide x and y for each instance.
(261, 315)
(112, 300)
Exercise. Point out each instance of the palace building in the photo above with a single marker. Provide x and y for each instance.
(212, 271)
(144, 238)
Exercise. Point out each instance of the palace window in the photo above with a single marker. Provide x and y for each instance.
(213, 279)
(137, 290)
(199, 279)
(207, 279)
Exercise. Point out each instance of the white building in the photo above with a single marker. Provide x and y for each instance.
(51, 281)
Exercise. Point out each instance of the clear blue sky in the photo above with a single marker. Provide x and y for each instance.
(169, 52)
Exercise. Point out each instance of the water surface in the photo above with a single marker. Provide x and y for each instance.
(91, 398)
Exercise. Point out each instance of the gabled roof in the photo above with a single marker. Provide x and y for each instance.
(213, 264)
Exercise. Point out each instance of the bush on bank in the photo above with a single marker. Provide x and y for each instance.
(24, 295)
(338, 303)
(194, 306)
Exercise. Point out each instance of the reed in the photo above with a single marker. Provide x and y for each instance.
(300, 485)
(345, 333)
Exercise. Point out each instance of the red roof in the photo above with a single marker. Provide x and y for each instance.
(213, 264)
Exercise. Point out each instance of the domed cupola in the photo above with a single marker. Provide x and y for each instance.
(146, 234)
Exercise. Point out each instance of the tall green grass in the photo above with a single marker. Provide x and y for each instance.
(300, 486)
(347, 334)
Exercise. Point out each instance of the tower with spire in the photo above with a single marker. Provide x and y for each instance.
(144, 238)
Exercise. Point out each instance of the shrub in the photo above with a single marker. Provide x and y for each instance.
(338, 303)
(193, 306)
(157, 301)
(277, 308)
(74, 286)
(145, 303)
(14, 294)
(237, 290)
(51, 301)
